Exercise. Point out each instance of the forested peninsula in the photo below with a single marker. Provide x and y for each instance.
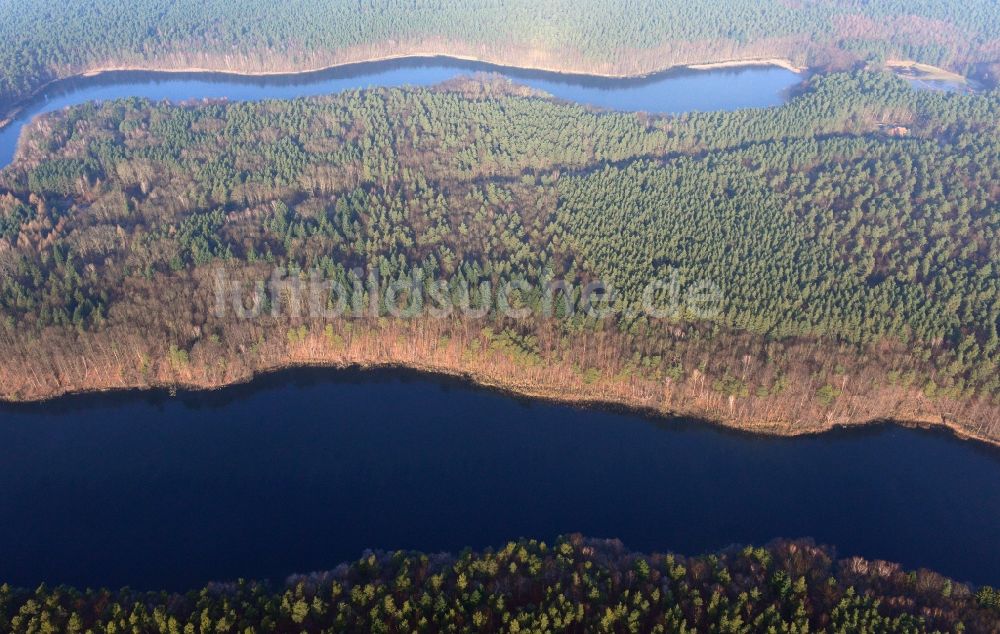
(632, 37)
(851, 234)
(573, 585)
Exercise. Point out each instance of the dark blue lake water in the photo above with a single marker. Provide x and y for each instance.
(305, 469)
(668, 92)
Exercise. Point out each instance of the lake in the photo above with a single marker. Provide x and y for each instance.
(304, 469)
(672, 91)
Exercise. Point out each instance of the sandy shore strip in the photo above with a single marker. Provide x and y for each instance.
(743, 63)
(733, 63)
(923, 71)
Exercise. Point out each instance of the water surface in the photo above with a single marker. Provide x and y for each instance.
(668, 92)
(303, 470)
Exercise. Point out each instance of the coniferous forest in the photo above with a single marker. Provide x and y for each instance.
(45, 40)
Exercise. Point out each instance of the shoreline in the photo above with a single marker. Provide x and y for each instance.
(7, 117)
(515, 389)
(779, 62)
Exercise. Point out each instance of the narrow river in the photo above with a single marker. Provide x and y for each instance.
(668, 92)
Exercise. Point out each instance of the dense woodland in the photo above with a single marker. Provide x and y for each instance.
(41, 40)
(853, 234)
(573, 585)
